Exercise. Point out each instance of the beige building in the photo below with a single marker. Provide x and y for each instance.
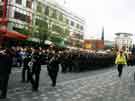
(123, 40)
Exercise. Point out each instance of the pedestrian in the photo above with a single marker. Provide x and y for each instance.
(120, 61)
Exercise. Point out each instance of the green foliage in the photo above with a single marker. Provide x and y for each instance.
(57, 29)
(63, 33)
(56, 38)
(66, 33)
(41, 24)
(43, 30)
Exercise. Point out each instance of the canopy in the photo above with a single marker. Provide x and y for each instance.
(12, 34)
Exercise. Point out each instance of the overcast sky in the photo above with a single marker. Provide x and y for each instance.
(114, 15)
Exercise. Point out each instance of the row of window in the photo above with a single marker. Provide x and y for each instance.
(28, 3)
(124, 41)
(50, 12)
(55, 28)
(56, 15)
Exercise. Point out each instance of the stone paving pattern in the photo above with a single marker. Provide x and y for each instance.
(100, 87)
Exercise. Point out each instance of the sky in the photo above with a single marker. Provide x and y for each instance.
(114, 15)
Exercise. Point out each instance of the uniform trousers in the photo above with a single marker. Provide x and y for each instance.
(120, 68)
(4, 85)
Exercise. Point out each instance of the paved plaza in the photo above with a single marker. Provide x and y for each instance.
(98, 85)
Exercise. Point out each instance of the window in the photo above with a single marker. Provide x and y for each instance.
(47, 10)
(61, 17)
(81, 27)
(77, 26)
(1, 11)
(28, 3)
(39, 7)
(67, 21)
(21, 17)
(54, 14)
(19, 2)
(72, 23)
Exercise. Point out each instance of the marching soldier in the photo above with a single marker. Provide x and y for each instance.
(5, 70)
(26, 68)
(53, 68)
(35, 68)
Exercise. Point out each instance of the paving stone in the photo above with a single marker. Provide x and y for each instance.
(100, 87)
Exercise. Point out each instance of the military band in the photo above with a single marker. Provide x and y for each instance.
(67, 60)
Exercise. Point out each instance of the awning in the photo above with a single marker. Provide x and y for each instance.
(12, 34)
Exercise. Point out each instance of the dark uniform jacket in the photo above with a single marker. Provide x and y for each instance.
(5, 65)
(36, 62)
(26, 60)
(54, 64)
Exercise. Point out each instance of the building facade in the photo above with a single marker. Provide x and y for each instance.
(48, 14)
(94, 44)
(123, 41)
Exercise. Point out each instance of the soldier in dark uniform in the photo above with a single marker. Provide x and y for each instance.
(5, 70)
(53, 68)
(35, 70)
(44, 57)
(26, 68)
(64, 62)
